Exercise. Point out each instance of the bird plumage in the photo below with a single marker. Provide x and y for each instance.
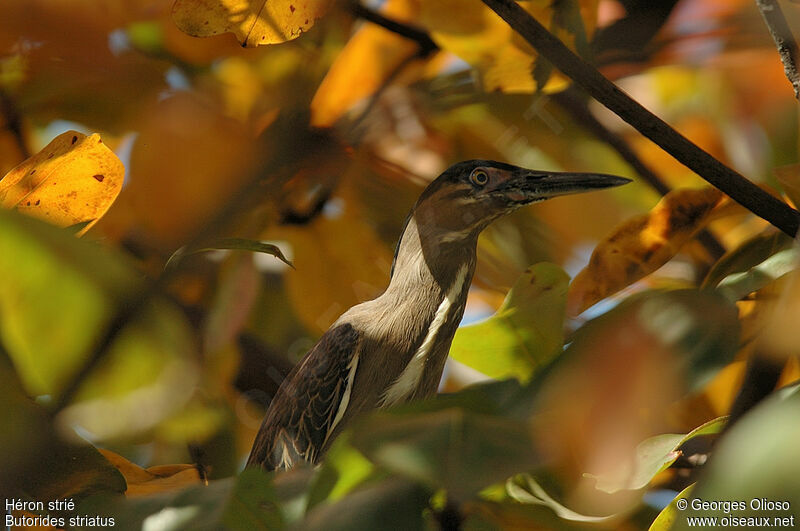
(392, 349)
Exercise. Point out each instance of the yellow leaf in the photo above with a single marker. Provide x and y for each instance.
(366, 62)
(144, 481)
(74, 179)
(472, 31)
(641, 245)
(254, 22)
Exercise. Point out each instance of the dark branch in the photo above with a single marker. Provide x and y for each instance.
(426, 44)
(14, 123)
(570, 101)
(592, 81)
(784, 40)
(760, 379)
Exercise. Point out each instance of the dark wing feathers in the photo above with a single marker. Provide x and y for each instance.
(300, 416)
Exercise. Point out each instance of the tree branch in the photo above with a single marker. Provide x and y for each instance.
(426, 44)
(784, 40)
(570, 101)
(590, 79)
(760, 378)
(14, 123)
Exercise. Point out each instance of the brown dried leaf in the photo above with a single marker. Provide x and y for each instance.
(145, 481)
(641, 245)
(254, 22)
(73, 180)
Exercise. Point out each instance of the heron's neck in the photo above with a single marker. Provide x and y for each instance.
(431, 262)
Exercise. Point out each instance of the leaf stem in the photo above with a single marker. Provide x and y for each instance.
(685, 151)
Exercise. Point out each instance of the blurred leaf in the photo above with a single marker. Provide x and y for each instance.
(36, 462)
(388, 505)
(671, 514)
(747, 255)
(344, 469)
(504, 60)
(454, 449)
(367, 61)
(254, 22)
(789, 177)
(618, 378)
(526, 332)
(162, 478)
(641, 245)
(74, 72)
(653, 456)
(485, 515)
(738, 285)
(525, 489)
(187, 160)
(70, 288)
(242, 503)
(779, 338)
(73, 180)
(340, 259)
(238, 244)
(757, 459)
(702, 328)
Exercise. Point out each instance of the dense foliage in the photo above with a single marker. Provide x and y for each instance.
(268, 168)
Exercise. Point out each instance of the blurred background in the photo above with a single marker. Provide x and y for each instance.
(320, 145)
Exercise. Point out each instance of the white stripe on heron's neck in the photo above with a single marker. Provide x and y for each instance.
(405, 384)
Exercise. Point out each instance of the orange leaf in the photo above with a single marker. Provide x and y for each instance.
(74, 179)
(144, 481)
(370, 57)
(641, 245)
(254, 22)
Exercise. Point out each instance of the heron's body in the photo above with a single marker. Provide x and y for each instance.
(392, 349)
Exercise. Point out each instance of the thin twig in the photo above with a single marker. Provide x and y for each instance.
(426, 44)
(784, 40)
(685, 151)
(570, 101)
(14, 123)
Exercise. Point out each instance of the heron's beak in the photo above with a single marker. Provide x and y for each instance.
(529, 186)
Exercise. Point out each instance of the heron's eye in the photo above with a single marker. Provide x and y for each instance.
(479, 178)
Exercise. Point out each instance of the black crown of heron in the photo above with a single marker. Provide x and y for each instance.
(392, 349)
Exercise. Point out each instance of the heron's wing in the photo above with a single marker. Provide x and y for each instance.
(310, 402)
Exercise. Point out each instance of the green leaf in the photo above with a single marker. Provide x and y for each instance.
(671, 514)
(36, 462)
(234, 244)
(747, 255)
(344, 469)
(246, 502)
(757, 459)
(653, 456)
(525, 333)
(525, 489)
(387, 505)
(59, 294)
(454, 449)
(738, 285)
